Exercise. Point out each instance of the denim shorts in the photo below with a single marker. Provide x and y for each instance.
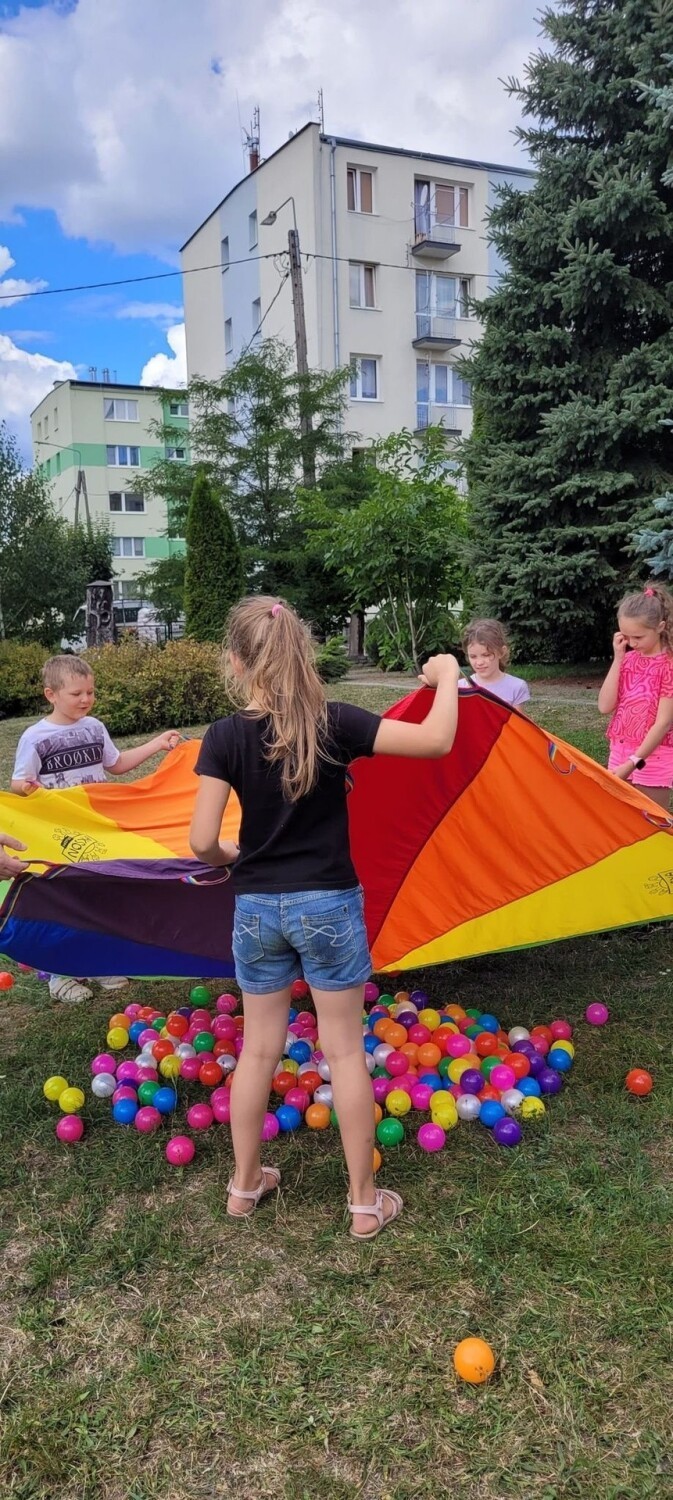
(318, 934)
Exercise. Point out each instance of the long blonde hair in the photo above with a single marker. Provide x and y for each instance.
(653, 606)
(275, 650)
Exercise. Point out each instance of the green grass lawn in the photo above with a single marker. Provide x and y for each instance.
(151, 1349)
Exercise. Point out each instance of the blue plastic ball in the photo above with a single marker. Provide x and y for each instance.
(491, 1112)
(292, 1016)
(136, 1030)
(529, 1087)
(372, 1042)
(434, 1080)
(559, 1059)
(488, 1022)
(124, 1111)
(300, 1052)
(288, 1117)
(165, 1100)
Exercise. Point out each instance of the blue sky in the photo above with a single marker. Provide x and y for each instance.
(121, 128)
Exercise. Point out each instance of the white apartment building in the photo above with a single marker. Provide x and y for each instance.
(394, 249)
(103, 430)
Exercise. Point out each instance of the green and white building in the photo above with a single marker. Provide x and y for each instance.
(105, 430)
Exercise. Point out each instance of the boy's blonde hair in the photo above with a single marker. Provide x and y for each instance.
(490, 634)
(275, 650)
(653, 606)
(58, 669)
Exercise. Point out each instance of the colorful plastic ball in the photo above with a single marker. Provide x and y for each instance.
(290, 1066)
(124, 1111)
(558, 1058)
(537, 1064)
(396, 1064)
(289, 1118)
(70, 1100)
(317, 1117)
(53, 1087)
(471, 1081)
(421, 1095)
(532, 1108)
(136, 1031)
(323, 1094)
(127, 1072)
(300, 1052)
(398, 1103)
(226, 1004)
(165, 1100)
(490, 1113)
(474, 1361)
(25, 968)
(169, 1067)
(180, 1151)
(468, 1107)
(518, 1034)
(176, 1026)
(300, 990)
(200, 1117)
(511, 1100)
(298, 1099)
(43, 975)
(488, 1022)
(457, 1046)
(390, 1132)
(597, 1014)
(564, 1046)
(70, 1129)
(210, 1075)
(550, 1081)
(147, 1119)
(561, 1031)
(147, 1090)
(183, 1050)
(377, 1160)
(485, 1044)
(104, 1062)
(270, 1127)
(190, 1067)
(381, 1053)
(6, 980)
(158, 1024)
(507, 1132)
(371, 992)
(431, 1137)
(540, 1044)
(199, 995)
(204, 1041)
(124, 1091)
(502, 1077)
(324, 1070)
(434, 1080)
(103, 1085)
(117, 1038)
(519, 1063)
(638, 1081)
(220, 1103)
(529, 1088)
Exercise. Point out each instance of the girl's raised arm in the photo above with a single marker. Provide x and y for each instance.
(435, 736)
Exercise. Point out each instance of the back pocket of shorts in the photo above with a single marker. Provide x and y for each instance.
(246, 944)
(328, 936)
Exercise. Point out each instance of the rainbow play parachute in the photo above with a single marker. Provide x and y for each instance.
(513, 839)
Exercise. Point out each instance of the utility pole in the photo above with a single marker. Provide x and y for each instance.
(81, 490)
(306, 424)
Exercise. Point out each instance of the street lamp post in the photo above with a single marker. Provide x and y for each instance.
(306, 424)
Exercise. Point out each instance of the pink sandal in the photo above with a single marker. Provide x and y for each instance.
(375, 1211)
(270, 1182)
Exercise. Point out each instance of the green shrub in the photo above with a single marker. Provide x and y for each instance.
(439, 632)
(21, 678)
(331, 660)
(144, 688)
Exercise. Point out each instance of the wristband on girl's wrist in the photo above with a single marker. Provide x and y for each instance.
(637, 761)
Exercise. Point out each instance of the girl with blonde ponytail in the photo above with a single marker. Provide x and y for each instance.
(638, 693)
(299, 907)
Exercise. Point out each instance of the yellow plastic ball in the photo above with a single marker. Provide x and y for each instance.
(117, 1038)
(449, 1026)
(429, 1018)
(70, 1100)
(532, 1108)
(398, 1102)
(169, 1067)
(460, 1065)
(54, 1087)
(443, 1111)
(289, 1065)
(565, 1047)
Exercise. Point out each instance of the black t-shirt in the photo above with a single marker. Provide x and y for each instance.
(289, 846)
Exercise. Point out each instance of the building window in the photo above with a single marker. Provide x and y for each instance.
(122, 501)
(360, 190)
(178, 455)
(439, 296)
(228, 336)
(55, 419)
(115, 410)
(224, 253)
(47, 467)
(440, 205)
(364, 382)
(179, 408)
(252, 230)
(46, 428)
(362, 284)
(58, 463)
(256, 316)
(438, 385)
(128, 546)
(121, 455)
(39, 432)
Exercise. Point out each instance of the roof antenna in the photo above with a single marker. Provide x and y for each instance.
(321, 111)
(252, 139)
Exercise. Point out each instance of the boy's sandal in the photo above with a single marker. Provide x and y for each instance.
(270, 1182)
(375, 1211)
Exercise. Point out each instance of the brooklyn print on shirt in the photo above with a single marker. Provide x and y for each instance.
(63, 755)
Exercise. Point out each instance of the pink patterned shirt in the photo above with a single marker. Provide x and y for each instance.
(643, 682)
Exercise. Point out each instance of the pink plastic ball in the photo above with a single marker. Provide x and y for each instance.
(597, 1014)
(127, 1072)
(224, 1029)
(372, 993)
(458, 1046)
(396, 1064)
(540, 1044)
(147, 1074)
(220, 1103)
(299, 1098)
(125, 1091)
(200, 1117)
(190, 1068)
(405, 1081)
(456, 1090)
(420, 1095)
(132, 1010)
(226, 1004)
(502, 1077)
(180, 1150)
(561, 1031)
(147, 1037)
(238, 1044)
(380, 1089)
(431, 1137)
(305, 1018)
(147, 1119)
(270, 1127)
(70, 1129)
(104, 1063)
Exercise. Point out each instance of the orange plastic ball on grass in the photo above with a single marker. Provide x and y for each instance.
(474, 1361)
(378, 1160)
(317, 1117)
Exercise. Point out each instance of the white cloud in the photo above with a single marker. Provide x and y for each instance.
(24, 379)
(12, 289)
(146, 138)
(151, 312)
(162, 369)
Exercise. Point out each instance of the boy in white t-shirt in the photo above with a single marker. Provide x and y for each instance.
(70, 748)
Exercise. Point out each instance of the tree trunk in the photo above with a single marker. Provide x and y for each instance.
(100, 626)
(2, 621)
(356, 633)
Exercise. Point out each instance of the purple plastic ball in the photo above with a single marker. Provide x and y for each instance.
(537, 1063)
(408, 1018)
(42, 974)
(507, 1132)
(419, 999)
(471, 1081)
(549, 1080)
(525, 1047)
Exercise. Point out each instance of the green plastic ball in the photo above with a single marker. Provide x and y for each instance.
(473, 1031)
(333, 1118)
(199, 995)
(443, 1066)
(380, 1073)
(474, 1013)
(204, 1041)
(488, 1064)
(386, 1000)
(147, 1090)
(159, 1024)
(390, 1132)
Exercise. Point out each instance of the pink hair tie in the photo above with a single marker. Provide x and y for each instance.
(649, 593)
(276, 610)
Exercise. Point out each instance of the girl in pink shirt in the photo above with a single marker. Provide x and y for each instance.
(638, 693)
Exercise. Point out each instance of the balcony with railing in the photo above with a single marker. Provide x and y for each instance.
(436, 331)
(434, 238)
(431, 414)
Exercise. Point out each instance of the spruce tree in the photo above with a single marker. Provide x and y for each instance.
(214, 577)
(574, 377)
